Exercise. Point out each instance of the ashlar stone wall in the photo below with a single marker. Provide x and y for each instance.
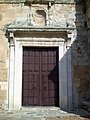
(60, 15)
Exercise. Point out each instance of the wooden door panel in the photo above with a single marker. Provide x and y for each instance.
(25, 93)
(40, 76)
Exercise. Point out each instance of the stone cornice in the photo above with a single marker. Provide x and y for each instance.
(48, 29)
(41, 1)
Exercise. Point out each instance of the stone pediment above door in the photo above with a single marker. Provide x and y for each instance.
(41, 15)
(40, 19)
(23, 26)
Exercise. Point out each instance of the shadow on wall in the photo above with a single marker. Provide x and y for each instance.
(79, 60)
(79, 80)
(76, 83)
(54, 82)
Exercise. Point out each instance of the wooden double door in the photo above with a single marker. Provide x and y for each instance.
(40, 84)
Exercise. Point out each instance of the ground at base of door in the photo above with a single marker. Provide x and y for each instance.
(46, 114)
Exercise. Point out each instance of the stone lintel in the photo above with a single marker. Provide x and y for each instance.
(48, 29)
(39, 32)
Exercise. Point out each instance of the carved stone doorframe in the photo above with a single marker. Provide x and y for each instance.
(16, 42)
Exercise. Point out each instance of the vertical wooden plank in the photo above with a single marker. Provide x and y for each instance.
(25, 78)
(44, 77)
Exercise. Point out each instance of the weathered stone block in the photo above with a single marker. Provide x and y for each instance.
(3, 74)
(3, 94)
(80, 72)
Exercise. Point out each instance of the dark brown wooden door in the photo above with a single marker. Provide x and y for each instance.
(40, 77)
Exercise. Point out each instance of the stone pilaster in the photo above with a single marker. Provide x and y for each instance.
(11, 71)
